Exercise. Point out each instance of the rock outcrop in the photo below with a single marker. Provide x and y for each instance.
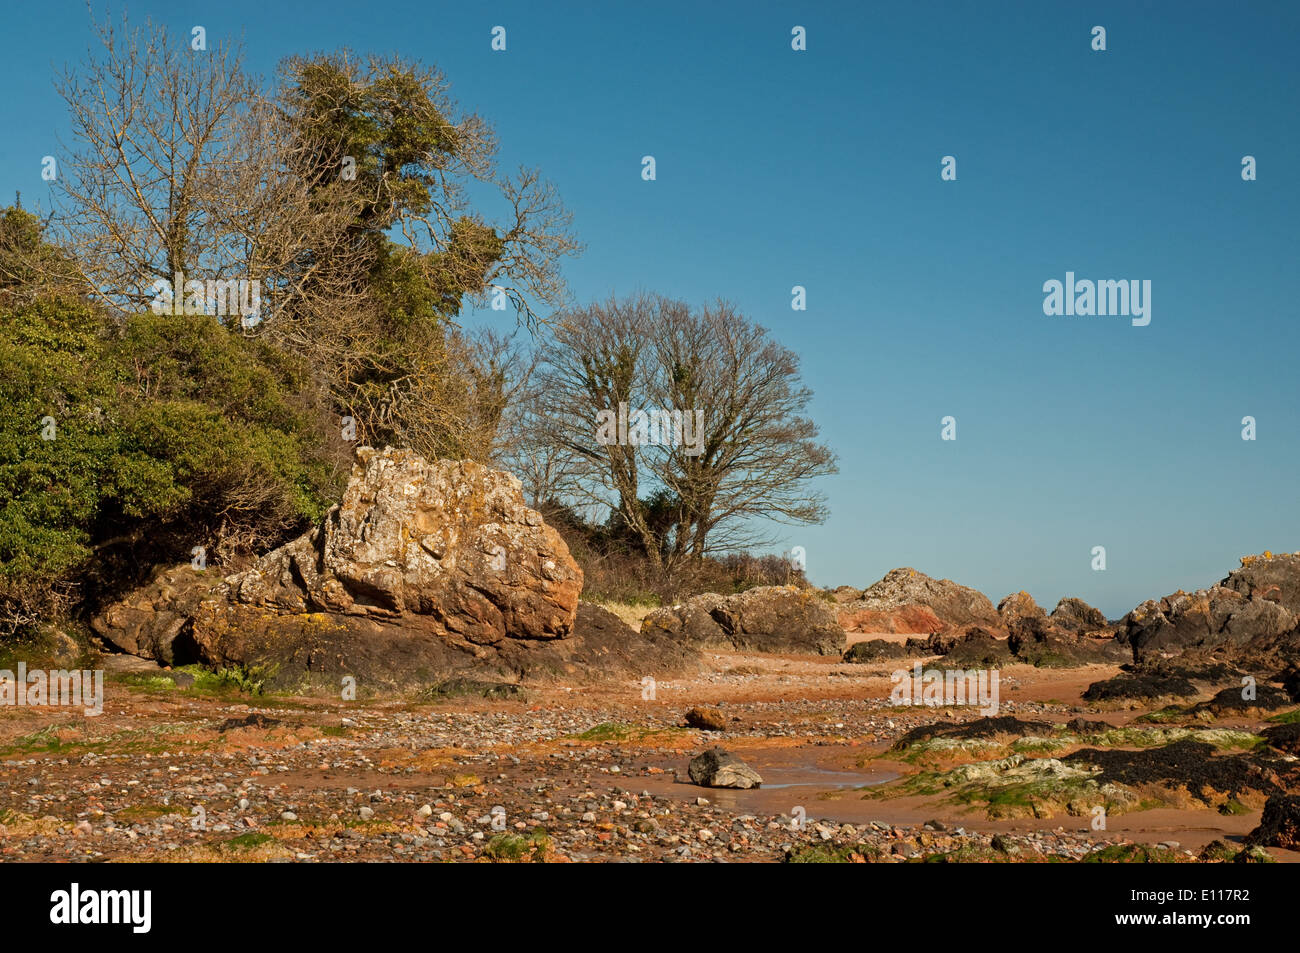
(842, 594)
(910, 602)
(1019, 607)
(765, 619)
(1075, 615)
(1038, 640)
(1279, 825)
(424, 571)
(1251, 615)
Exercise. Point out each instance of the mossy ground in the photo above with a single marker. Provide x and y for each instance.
(516, 848)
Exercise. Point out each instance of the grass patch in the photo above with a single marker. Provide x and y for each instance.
(245, 679)
(149, 683)
(250, 841)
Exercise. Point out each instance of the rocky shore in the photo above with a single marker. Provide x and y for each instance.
(418, 678)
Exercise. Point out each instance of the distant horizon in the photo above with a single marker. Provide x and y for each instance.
(1116, 424)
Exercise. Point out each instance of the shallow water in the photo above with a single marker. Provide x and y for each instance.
(792, 777)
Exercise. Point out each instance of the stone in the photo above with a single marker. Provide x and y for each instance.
(717, 768)
(845, 594)
(450, 542)
(876, 650)
(706, 719)
(1139, 686)
(1017, 607)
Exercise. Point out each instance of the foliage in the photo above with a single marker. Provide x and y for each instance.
(134, 440)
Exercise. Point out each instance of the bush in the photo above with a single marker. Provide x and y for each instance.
(124, 443)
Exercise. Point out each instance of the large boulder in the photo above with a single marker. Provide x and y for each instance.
(449, 542)
(425, 571)
(1251, 615)
(908, 601)
(717, 768)
(764, 619)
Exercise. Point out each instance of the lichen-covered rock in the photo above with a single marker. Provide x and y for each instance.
(1268, 577)
(764, 619)
(448, 540)
(424, 572)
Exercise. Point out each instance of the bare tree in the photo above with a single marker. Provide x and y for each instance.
(758, 450)
(711, 433)
(138, 197)
(342, 194)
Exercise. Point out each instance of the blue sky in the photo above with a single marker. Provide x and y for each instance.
(821, 168)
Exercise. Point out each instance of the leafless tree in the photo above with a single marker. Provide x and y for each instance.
(183, 163)
(751, 461)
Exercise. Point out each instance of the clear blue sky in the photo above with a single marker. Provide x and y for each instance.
(821, 168)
